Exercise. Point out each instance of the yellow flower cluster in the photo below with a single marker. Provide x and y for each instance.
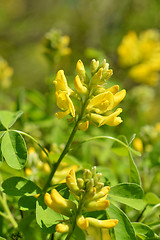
(142, 56)
(91, 101)
(55, 44)
(91, 195)
(6, 73)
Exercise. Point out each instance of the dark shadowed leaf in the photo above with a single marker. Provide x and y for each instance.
(18, 186)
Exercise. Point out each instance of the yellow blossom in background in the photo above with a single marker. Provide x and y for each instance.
(138, 144)
(6, 73)
(56, 45)
(91, 101)
(141, 54)
(91, 195)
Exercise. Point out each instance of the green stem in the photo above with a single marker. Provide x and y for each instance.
(64, 152)
(66, 149)
(9, 215)
(109, 137)
(74, 221)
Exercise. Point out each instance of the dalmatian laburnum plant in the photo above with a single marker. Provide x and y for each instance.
(83, 203)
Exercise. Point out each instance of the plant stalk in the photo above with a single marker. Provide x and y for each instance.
(9, 215)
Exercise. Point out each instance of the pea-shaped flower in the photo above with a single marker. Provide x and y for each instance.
(90, 195)
(90, 102)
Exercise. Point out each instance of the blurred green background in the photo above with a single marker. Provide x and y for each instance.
(89, 24)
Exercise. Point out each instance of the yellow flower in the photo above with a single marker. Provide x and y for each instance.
(63, 227)
(138, 144)
(72, 182)
(101, 103)
(80, 88)
(110, 223)
(90, 102)
(64, 103)
(85, 223)
(111, 120)
(61, 83)
(142, 55)
(6, 73)
(59, 204)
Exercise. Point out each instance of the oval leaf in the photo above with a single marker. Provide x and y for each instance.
(8, 118)
(130, 194)
(18, 186)
(14, 150)
(124, 229)
(46, 217)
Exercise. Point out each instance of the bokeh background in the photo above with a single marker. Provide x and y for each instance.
(89, 24)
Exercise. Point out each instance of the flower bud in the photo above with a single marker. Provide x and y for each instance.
(99, 186)
(87, 174)
(81, 70)
(72, 182)
(83, 125)
(97, 77)
(110, 223)
(89, 184)
(94, 66)
(80, 88)
(62, 227)
(82, 222)
(80, 183)
(96, 205)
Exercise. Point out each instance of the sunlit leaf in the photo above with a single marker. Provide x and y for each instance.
(9, 118)
(14, 149)
(151, 198)
(46, 217)
(128, 193)
(124, 229)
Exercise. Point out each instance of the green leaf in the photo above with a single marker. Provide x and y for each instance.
(14, 149)
(30, 229)
(134, 173)
(9, 118)
(2, 133)
(130, 194)
(2, 238)
(46, 217)
(1, 156)
(124, 229)
(151, 198)
(18, 186)
(26, 203)
(143, 230)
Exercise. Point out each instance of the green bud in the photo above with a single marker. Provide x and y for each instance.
(80, 183)
(94, 66)
(90, 184)
(87, 174)
(97, 177)
(93, 171)
(99, 186)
